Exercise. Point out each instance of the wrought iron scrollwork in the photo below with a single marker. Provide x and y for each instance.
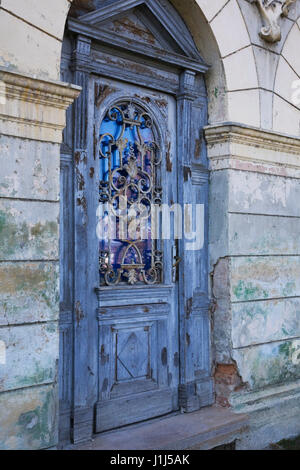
(130, 182)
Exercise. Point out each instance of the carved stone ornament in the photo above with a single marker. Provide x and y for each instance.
(271, 12)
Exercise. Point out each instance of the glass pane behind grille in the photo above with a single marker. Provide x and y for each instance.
(130, 161)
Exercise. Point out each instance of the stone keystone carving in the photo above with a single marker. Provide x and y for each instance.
(271, 12)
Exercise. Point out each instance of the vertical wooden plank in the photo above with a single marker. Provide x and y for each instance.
(66, 298)
(107, 361)
(193, 274)
(66, 263)
(85, 253)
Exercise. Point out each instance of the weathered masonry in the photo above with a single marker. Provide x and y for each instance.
(163, 102)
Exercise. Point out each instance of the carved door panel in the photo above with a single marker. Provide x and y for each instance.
(138, 351)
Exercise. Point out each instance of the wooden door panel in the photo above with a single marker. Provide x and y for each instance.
(132, 352)
(135, 365)
(133, 360)
(129, 410)
(138, 324)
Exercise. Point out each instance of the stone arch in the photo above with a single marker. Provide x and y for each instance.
(257, 98)
(232, 96)
(286, 103)
(41, 27)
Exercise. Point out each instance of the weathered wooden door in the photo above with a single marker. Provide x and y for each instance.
(138, 297)
(134, 328)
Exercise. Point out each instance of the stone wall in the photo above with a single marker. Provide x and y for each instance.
(255, 267)
(250, 81)
(32, 117)
(254, 211)
(38, 28)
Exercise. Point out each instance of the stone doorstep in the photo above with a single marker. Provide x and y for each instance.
(202, 430)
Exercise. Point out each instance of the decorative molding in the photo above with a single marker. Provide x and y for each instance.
(105, 12)
(81, 55)
(57, 94)
(31, 108)
(134, 314)
(235, 132)
(141, 49)
(169, 83)
(229, 143)
(271, 11)
(165, 14)
(123, 296)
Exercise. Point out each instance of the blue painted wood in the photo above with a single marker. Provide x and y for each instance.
(137, 352)
(66, 299)
(196, 384)
(66, 267)
(138, 378)
(172, 27)
(85, 243)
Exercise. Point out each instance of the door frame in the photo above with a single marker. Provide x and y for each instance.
(80, 312)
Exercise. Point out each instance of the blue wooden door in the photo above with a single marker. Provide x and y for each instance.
(140, 348)
(138, 296)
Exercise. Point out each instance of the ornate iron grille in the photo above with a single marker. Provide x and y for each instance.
(130, 186)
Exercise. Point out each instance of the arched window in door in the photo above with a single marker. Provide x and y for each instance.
(130, 187)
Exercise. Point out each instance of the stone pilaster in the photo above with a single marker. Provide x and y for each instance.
(255, 267)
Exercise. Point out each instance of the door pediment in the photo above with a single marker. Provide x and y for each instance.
(152, 28)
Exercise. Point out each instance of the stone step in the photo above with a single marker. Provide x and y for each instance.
(202, 430)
